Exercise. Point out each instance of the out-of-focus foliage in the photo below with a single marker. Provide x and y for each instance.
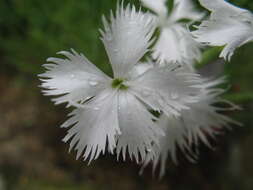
(32, 30)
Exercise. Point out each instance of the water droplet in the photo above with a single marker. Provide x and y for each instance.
(115, 50)
(93, 82)
(72, 76)
(174, 96)
(149, 150)
(109, 38)
(87, 98)
(96, 108)
(146, 93)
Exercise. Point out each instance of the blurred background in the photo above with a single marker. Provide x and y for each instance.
(32, 156)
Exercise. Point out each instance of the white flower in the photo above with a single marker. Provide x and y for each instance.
(227, 26)
(114, 113)
(203, 121)
(175, 42)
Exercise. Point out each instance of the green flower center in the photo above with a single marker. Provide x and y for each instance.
(119, 83)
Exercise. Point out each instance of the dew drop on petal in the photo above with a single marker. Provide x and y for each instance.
(129, 33)
(146, 93)
(72, 76)
(93, 82)
(119, 133)
(96, 108)
(174, 96)
(88, 97)
(149, 150)
(109, 38)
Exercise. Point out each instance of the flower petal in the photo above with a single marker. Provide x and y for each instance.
(228, 32)
(95, 127)
(174, 138)
(74, 78)
(195, 125)
(166, 88)
(227, 26)
(176, 44)
(139, 132)
(222, 8)
(127, 38)
(185, 9)
(158, 6)
(141, 68)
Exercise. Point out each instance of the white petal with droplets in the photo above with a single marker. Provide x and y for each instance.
(127, 38)
(94, 127)
(176, 44)
(74, 79)
(198, 124)
(140, 68)
(166, 88)
(139, 132)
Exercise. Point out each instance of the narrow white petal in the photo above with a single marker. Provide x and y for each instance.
(185, 9)
(127, 38)
(205, 120)
(94, 129)
(158, 6)
(227, 26)
(222, 8)
(198, 124)
(239, 40)
(167, 47)
(166, 88)
(226, 32)
(140, 68)
(191, 49)
(139, 132)
(176, 44)
(174, 138)
(73, 79)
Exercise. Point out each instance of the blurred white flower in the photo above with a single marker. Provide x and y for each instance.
(201, 122)
(228, 26)
(114, 113)
(175, 42)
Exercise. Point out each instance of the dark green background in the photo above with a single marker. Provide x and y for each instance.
(32, 156)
